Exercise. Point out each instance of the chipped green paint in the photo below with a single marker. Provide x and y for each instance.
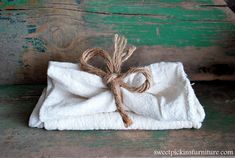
(10, 91)
(36, 43)
(5, 4)
(32, 28)
(18, 4)
(224, 122)
(13, 111)
(18, 101)
(159, 134)
(154, 24)
(55, 30)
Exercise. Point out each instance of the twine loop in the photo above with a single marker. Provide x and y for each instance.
(113, 76)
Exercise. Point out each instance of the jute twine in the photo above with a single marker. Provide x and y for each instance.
(113, 76)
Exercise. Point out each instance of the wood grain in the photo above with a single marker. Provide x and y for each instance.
(199, 33)
(18, 140)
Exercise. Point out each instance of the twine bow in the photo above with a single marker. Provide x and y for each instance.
(113, 76)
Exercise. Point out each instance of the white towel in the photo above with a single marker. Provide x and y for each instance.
(77, 100)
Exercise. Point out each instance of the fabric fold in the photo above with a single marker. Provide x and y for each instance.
(77, 100)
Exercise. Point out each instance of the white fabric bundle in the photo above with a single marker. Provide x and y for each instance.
(77, 100)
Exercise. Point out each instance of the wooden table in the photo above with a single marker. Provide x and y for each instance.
(18, 140)
(198, 33)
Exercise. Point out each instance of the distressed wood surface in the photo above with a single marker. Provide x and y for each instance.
(199, 33)
(18, 140)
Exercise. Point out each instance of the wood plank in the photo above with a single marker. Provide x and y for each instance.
(199, 33)
(18, 140)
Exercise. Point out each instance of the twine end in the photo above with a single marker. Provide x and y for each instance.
(128, 122)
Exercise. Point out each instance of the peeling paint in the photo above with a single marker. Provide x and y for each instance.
(34, 32)
(179, 26)
(16, 138)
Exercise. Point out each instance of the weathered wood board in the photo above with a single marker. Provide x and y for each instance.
(18, 140)
(199, 33)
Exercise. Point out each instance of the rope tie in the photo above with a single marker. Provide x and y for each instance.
(110, 77)
(113, 76)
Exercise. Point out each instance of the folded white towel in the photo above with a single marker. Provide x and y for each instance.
(77, 100)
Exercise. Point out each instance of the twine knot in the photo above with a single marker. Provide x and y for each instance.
(113, 76)
(110, 77)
